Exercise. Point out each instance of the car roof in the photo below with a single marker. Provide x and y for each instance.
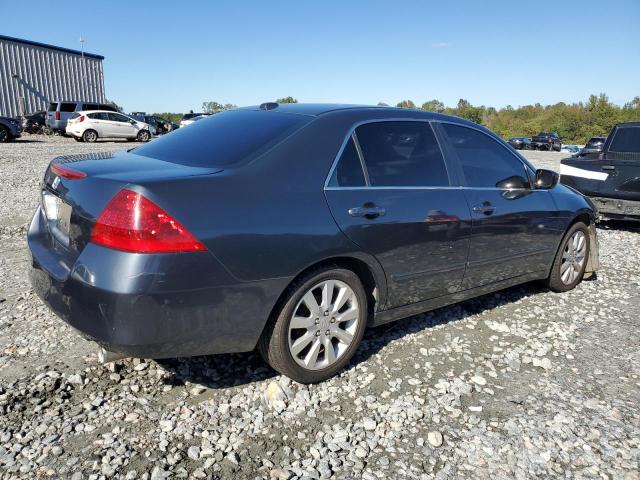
(319, 109)
(101, 111)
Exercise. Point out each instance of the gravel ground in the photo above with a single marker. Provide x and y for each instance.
(524, 383)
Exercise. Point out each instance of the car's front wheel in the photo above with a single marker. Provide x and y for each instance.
(318, 327)
(571, 259)
(4, 135)
(143, 136)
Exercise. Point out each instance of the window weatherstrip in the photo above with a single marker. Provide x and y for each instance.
(354, 137)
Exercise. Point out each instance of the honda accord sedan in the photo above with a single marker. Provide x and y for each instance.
(292, 229)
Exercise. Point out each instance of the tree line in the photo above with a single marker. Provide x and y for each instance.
(574, 122)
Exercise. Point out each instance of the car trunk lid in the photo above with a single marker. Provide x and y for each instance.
(76, 188)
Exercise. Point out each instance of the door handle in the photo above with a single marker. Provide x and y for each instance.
(367, 212)
(485, 208)
(608, 167)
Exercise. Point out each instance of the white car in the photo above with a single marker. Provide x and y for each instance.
(189, 121)
(88, 126)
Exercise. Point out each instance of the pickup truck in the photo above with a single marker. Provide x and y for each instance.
(611, 178)
(546, 141)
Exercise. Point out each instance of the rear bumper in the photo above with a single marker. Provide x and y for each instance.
(616, 208)
(150, 306)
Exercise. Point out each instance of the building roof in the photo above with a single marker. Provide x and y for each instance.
(51, 47)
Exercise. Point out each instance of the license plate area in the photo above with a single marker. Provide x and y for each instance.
(58, 215)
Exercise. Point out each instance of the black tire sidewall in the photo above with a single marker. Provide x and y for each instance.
(555, 281)
(89, 141)
(6, 136)
(140, 135)
(285, 363)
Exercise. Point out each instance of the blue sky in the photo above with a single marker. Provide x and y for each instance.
(172, 56)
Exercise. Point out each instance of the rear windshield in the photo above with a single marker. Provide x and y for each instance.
(626, 140)
(224, 139)
(596, 140)
(67, 107)
(53, 107)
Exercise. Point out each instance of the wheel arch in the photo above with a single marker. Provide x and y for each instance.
(368, 270)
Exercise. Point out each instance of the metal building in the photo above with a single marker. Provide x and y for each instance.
(33, 74)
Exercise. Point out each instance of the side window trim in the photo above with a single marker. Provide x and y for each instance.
(460, 170)
(354, 137)
(453, 182)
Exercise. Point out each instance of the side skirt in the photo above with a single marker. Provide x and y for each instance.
(394, 314)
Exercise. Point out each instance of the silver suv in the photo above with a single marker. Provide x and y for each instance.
(59, 112)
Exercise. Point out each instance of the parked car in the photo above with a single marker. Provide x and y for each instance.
(9, 129)
(59, 112)
(546, 141)
(34, 122)
(520, 143)
(189, 121)
(188, 118)
(610, 178)
(158, 125)
(91, 125)
(594, 145)
(572, 149)
(294, 228)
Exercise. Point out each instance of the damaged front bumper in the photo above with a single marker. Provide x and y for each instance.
(616, 208)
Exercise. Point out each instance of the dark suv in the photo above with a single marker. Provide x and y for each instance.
(546, 141)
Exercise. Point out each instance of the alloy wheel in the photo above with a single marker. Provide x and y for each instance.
(4, 136)
(573, 257)
(323, 324)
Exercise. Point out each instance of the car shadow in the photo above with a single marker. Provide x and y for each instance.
(620, 225)
(231, 370)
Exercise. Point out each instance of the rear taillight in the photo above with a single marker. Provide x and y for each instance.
(66, 172)
(57, 115)
(81, 119)
(132, 223)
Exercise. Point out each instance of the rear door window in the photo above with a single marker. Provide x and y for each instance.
(348, 171)
(402, 154)
(53, 107)
(626, 140)
(98, 116)
(224, 139)
(67, 107)
(485, 162)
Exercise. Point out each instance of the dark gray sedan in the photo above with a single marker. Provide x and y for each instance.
(293, 228)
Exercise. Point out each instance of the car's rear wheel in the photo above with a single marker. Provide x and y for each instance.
(4, 135)
(143, 136)
(318, 327)
(571, 259)
(90, 136)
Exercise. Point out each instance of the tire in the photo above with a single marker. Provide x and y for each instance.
(4, 135)
(550, 147)
(559, 280)
(287, 349)
(143, 136)
(90, 136)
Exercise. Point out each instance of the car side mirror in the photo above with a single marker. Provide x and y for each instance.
(546, 179)
(513, 182)
(132, 122)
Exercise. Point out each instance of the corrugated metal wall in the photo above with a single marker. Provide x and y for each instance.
(32, 76)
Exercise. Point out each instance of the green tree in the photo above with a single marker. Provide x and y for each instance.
(287, 100)
(114, 105)
(433, 106)
(406, 104)
(215, 107)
